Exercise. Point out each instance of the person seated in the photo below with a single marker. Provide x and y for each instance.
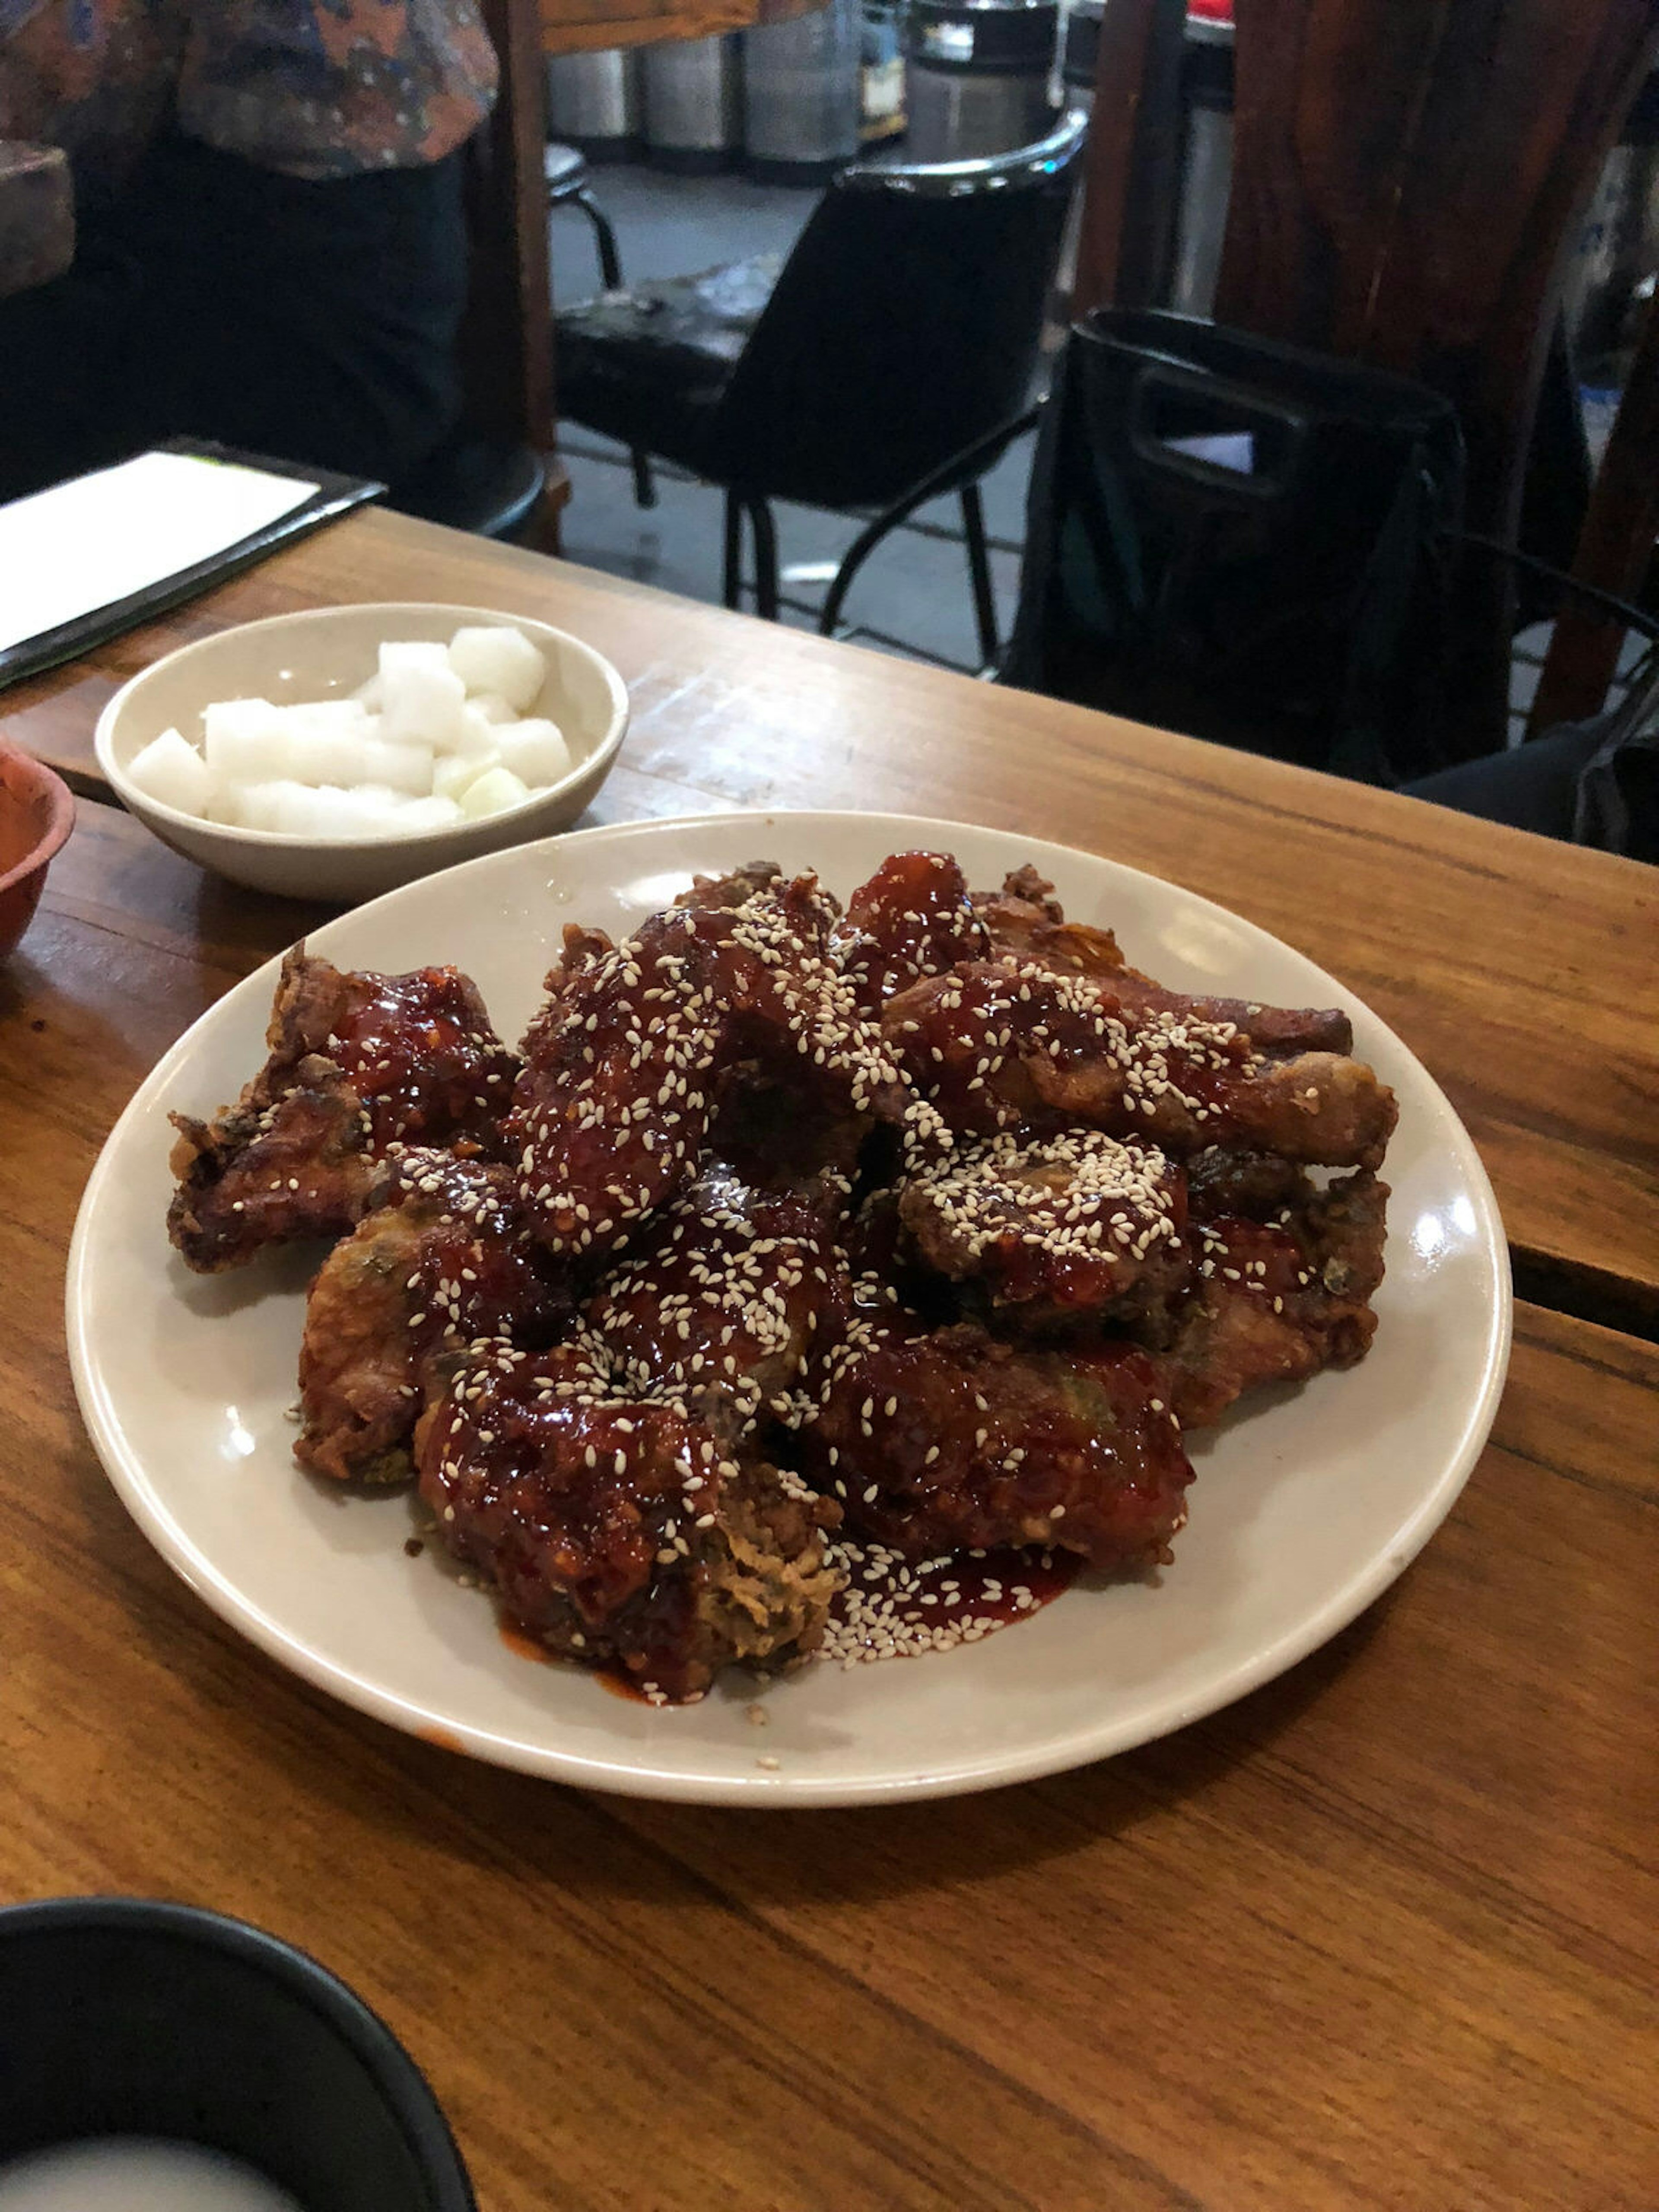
(271, 243)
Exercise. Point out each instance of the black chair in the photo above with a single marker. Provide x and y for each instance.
(570, 183)
(889, 358)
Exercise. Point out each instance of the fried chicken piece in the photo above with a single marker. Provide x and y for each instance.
(1279, 1301)
(625, 1066)
(996, 1047)
(296, 1166)
(913, 918)
(617, 1533)
(358, 1061)
(1027, 925)
(778, 1139)
(439, 1262)
(724, 1303)
(1258, 1185)
(736, 888)
(1056, 1231)
(952, 1440)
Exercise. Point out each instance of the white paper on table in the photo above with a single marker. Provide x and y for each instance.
(67, 552)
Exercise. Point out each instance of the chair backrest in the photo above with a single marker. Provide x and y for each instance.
(905, 327)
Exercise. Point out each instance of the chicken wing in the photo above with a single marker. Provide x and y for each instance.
(358, 1061)
(1027, 925)
(618, 1533)
(996, 1047)
(625, 1066)
(950, 1439)
(1280, 1300)
(913, 918)
(439, 1262)
(723, 1304)
(1056, 1231)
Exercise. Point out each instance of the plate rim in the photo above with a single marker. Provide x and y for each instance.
(779, 1791)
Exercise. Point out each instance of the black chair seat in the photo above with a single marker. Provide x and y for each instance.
(473, 484)
(649, 365)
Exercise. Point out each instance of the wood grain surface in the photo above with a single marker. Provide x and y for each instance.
(1520, 971)
(1383, 1935)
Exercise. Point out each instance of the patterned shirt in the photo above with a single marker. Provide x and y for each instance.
(312, 88)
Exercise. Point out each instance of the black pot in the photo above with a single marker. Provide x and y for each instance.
(119, 2016)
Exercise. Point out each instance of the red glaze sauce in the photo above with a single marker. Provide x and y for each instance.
(892, 1608)
(419, 1053)
(913, 918)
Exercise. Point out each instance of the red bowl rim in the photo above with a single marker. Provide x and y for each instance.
(60, 817)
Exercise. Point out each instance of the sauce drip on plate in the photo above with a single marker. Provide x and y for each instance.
(894, 1609)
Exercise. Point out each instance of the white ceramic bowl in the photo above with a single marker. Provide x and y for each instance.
(326, 652)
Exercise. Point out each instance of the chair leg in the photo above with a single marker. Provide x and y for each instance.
(978, 569)
(731, 567)
(766, 559)
(984, 453)
(610, 276)
(605, 238)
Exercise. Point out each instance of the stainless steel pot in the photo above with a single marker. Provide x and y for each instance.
(801, 94)
(593, 102)
(977, 75)
(693, 92)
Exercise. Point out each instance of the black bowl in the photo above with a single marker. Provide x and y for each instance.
(118, 2016)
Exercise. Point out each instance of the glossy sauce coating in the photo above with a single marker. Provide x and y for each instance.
(942, 1440)
(997, 1048)
(625, 1063)
(419, 1053)
(725, 1302)
(913, 918)
(1061, 1228)
(614, 1530)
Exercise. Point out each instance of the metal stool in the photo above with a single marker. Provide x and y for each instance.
(570, 183)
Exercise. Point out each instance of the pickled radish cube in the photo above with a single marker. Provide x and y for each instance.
(333, 714)
(453, 772)
(490, 706)
(367, 810)
(477, 737)
(257, 805)
(316, 758)
(368, 695)
(330, 718)
(373, 760)
(357, 755)
(493, 793)
(411, 652)
(245, 740)
(416, 815)
(421, 695)
(169, 768)
(535, 751)
(492, 657)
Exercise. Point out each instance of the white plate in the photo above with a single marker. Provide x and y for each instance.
(1304, 1508)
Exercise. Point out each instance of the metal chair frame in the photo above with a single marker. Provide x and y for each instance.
(576, 189)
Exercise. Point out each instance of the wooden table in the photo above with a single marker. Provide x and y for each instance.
(571, 27)
(1386, 1934)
